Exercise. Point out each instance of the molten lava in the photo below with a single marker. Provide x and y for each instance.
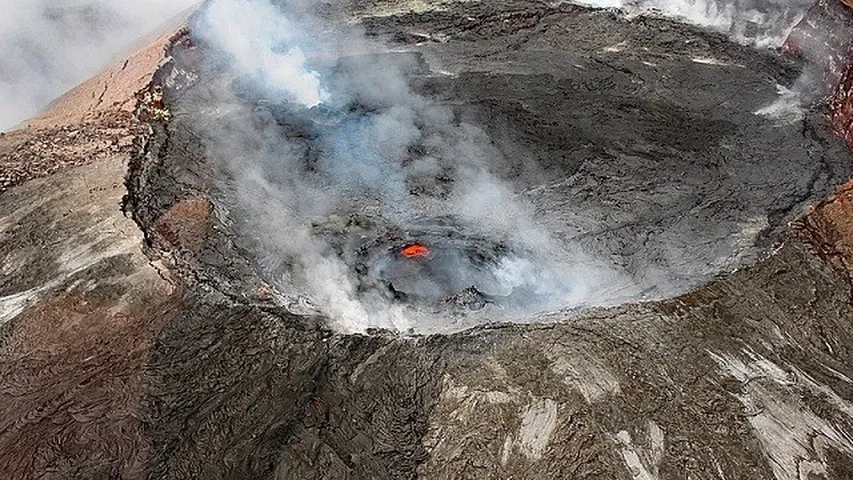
(415, 250)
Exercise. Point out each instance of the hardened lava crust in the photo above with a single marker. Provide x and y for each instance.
(144, 336)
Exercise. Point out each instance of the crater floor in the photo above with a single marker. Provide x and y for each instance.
(631, 159)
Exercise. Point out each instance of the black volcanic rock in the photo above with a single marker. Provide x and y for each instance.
(159, 348)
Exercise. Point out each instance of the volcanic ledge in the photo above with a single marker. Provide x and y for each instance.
(140, 338)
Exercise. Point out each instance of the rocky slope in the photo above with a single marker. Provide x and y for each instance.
(154, 346)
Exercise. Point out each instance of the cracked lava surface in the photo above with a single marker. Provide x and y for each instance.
(150, 327)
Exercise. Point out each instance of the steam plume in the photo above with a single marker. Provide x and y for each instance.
(363, 163)
(341, 141)
(763, 23)
(48, 46)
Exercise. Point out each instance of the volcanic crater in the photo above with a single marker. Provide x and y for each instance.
(245, 322)
(611, 174)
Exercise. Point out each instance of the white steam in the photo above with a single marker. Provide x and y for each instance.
(364, 165)
(787, 108)
(324, 144)
(49, 46)
(372, 140)
(762, 23)
(261, 44)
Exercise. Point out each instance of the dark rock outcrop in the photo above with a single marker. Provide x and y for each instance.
(154, 347)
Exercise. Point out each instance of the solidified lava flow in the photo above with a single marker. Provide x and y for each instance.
(565, 174)
(257, 315)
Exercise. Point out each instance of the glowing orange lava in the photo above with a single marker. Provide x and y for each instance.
(415, 250)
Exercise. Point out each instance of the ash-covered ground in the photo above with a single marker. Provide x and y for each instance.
(165, 345)
(551, 157)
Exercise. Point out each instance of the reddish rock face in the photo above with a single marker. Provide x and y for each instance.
(829, 229)
(823, 38)
(185, 224)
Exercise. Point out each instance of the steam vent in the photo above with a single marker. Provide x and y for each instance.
(481, 239)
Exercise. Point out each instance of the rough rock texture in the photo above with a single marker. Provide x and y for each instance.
(93, 121)
(79, 302)
(823, 37)
(596, 121)
(153, 349)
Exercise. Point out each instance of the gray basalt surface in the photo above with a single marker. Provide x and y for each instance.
(208, 375)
